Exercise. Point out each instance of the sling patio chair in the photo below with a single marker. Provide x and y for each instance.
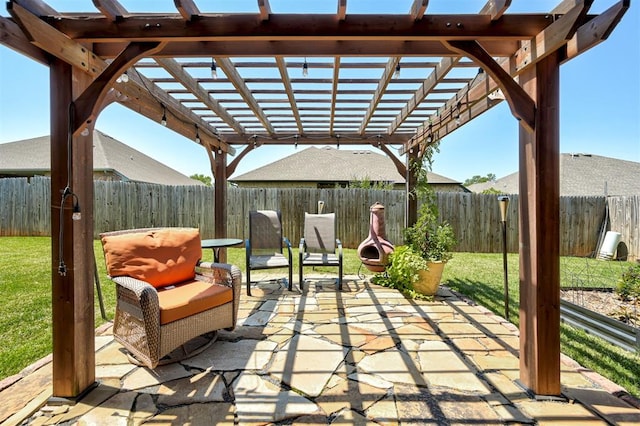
(319, 245)
(166, 297)
(264, 247)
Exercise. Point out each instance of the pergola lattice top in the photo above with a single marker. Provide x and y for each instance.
(313, 78)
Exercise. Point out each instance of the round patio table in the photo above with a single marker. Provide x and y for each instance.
(217, 243)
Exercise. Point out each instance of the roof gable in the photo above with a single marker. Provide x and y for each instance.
(328, 164)
(581, 175)
(33, 156)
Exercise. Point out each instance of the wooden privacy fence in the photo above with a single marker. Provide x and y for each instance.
(25, 210)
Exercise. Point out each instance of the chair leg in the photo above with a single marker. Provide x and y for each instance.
(300, 277)
(290, 278)
(248, 282)
(340, 276)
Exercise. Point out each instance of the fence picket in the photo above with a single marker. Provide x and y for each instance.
(25, 210)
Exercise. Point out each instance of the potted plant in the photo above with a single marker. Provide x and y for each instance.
(417, 266)
(402, 271)
(432, 241)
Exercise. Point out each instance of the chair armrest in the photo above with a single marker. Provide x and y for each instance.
(223, 274)
(219, 273)
(339, 244)
(141, 289)
(287, 243)
(140, 300)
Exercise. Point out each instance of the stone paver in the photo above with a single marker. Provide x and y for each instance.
(441, 367)
(201, 388)
(259, 401)
(363, 356)
(241, 355)
(221, 414)
(394, 366)
(312, 360)
(16, 396)
(351, 395)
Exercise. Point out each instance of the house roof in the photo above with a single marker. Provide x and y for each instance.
(33, 156)
(582, 174)
(328, 164)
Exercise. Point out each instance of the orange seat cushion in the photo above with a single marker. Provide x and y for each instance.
(192, 297)
(160, 257)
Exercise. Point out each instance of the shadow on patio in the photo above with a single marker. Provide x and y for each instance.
(365, 355)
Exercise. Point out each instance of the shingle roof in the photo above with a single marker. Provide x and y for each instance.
(582, 174)
(328, 164)
(33, 156)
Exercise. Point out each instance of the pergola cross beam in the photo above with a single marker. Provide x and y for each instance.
(592, 32)
(522, 106)
(141, 94)
(85, 106)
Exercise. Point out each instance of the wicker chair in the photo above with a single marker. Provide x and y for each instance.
(319, 245)
(264, 246)
(166, 296)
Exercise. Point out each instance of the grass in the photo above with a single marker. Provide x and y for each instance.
(25, 295)
(481, 278)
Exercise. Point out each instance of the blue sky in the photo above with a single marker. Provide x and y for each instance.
(599, 104)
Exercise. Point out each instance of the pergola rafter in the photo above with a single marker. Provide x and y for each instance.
(343, 101)
(192, 86)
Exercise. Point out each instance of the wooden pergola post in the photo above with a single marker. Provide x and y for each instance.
(71, 241)
(220, 199)
(539, 231)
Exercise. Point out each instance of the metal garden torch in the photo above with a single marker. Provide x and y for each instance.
(504, 203)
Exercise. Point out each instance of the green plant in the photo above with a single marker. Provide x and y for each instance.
(628, 286)
(402, 270)
(431, 238)
(480, 179)
(202, 178)
(428, 240)
(367, 183)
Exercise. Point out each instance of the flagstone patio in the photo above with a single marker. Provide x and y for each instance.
(365, 355)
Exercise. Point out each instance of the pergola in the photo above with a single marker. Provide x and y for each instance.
(264, 78)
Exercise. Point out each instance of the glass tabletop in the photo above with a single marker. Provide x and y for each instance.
(220, 242)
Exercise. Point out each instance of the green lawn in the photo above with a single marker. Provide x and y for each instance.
(481, 278)
(25, 295)
(25, 307)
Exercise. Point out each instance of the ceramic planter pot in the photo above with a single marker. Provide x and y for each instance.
(429, 279)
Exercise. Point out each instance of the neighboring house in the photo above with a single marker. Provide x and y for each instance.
(328, 167)
(112, 160)
(581, 174)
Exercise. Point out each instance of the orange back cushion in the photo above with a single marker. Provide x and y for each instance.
(160, 257)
